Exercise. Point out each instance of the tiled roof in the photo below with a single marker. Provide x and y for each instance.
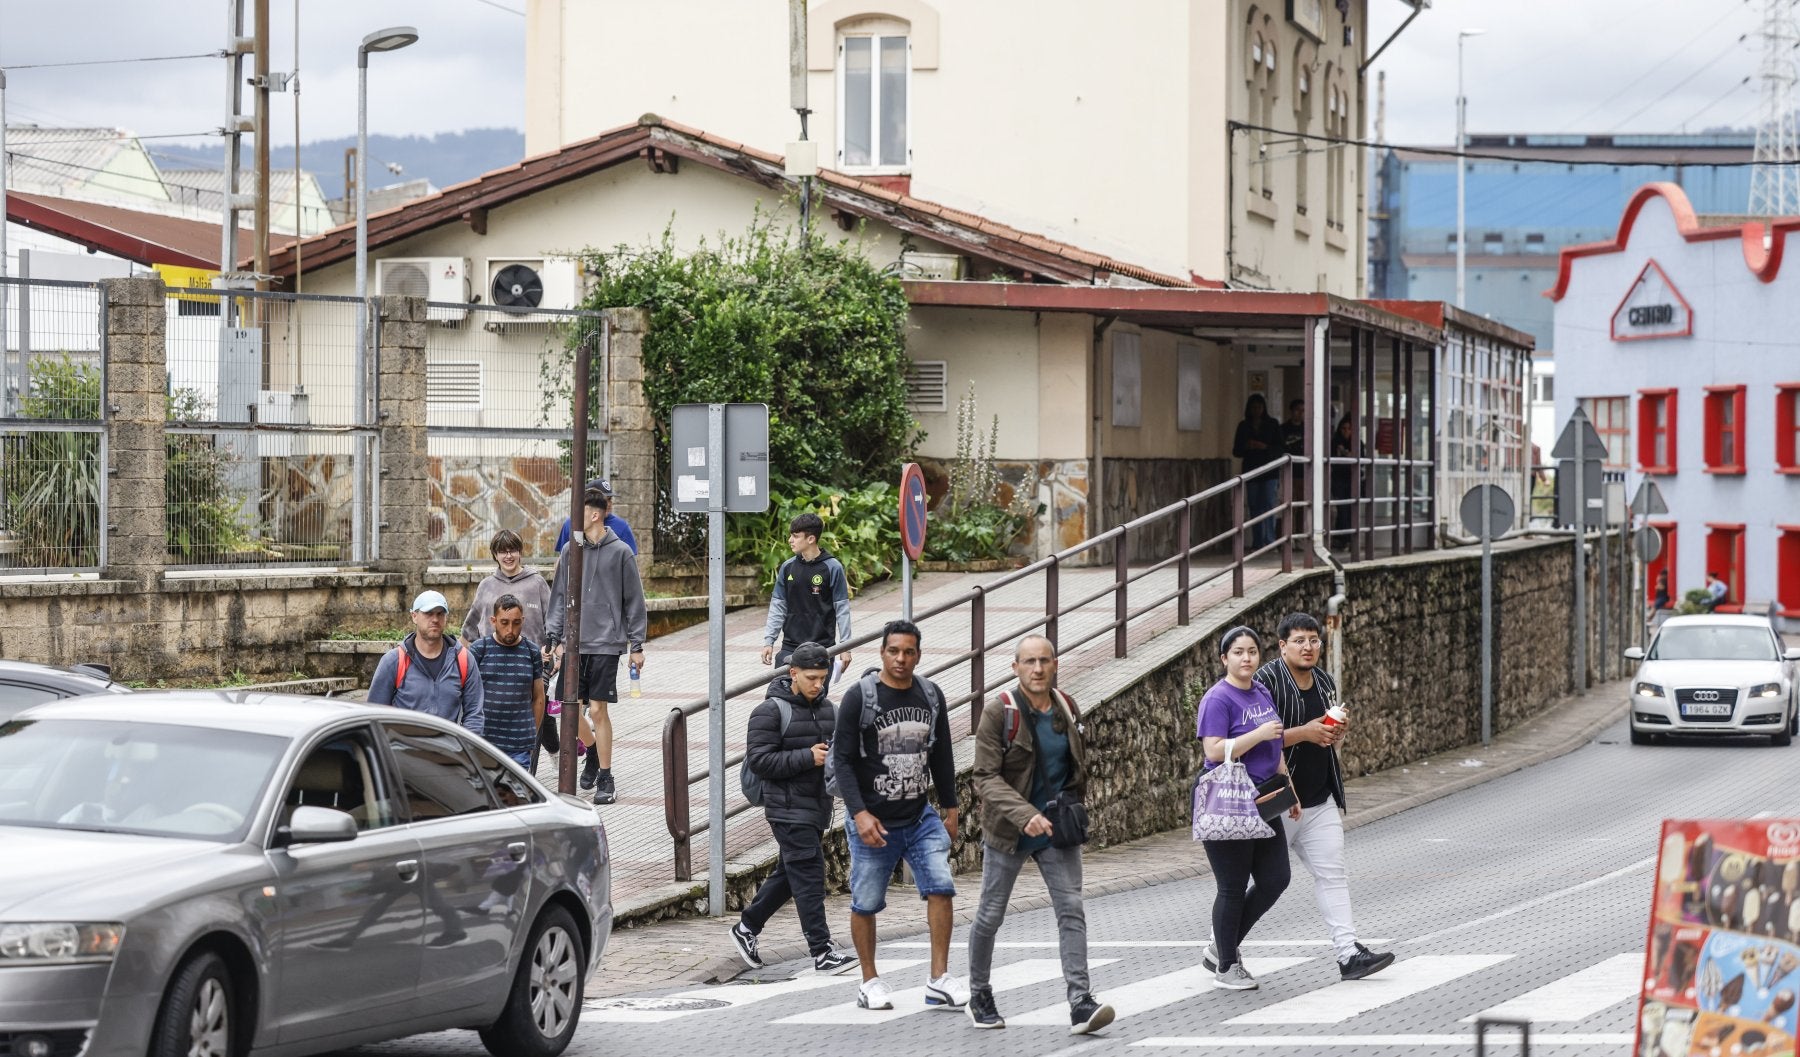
(147, 238)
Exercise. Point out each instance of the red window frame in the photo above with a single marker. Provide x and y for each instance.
(1650, 402)
(1787, 427)
(1724, 429)
(1725, 556)
(1665, 561)
(1787, 570)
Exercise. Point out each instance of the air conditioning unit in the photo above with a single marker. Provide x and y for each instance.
(443, 280)
(526, 286)
(932, 265)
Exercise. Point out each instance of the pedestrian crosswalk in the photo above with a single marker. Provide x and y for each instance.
(1574, 997)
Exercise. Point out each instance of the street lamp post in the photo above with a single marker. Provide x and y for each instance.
(391, 39)
(1462, 113)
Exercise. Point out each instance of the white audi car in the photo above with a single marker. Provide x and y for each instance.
(1715, 674)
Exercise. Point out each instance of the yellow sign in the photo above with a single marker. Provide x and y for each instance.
(178, 278)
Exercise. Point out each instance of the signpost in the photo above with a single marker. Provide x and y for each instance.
(1646, 503)
(721, 465)
(1579, 451)
(1487, 513)
(912, 530)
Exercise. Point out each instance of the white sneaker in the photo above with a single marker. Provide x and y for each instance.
(1235, 978)
(873, 994)
(946, 992)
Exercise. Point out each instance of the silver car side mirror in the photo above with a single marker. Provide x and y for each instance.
(1792, 653)
(316, 825)
(1634, 653)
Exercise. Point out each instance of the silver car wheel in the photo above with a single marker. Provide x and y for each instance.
(554, 977)
(209, 1023)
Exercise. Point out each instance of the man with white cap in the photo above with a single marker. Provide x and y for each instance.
(428, 672)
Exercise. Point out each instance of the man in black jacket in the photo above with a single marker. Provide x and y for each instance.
(786, 745)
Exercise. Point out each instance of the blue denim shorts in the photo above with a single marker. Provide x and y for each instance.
(925, 845)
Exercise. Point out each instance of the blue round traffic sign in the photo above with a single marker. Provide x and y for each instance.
(912, 510)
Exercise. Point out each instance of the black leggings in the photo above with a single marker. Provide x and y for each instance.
(1241, 903)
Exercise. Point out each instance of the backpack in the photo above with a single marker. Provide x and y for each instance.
(866, 686)
(1014, 716)
(405, 662)
(749, 781)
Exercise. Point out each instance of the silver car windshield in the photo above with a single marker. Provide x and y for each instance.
(149, 778)
(1697, 642)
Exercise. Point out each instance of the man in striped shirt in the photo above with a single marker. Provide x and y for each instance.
(512, 678)
(1302, 695)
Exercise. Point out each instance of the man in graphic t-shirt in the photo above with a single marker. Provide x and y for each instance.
(884, 768)
(1302, 695)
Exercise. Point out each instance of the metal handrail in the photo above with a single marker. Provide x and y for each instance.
(678, 780)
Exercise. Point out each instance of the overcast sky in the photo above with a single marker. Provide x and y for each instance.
(1542, 65)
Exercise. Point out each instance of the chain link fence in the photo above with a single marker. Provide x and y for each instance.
(52, 440)
(498, 431)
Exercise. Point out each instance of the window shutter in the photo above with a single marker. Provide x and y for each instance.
(928, 385)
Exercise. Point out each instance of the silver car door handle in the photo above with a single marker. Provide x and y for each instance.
(408, 869)
(516, 851)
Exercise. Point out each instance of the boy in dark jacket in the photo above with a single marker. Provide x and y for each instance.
(790, 759)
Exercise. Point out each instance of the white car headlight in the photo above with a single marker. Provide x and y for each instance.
(1766, 690)
(41, 942)
(1647, 690)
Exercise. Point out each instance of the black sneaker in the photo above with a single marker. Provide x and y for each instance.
(981, 1010)
(590, 770)
(832, 963)
(1089, 1014)
(1364, 962)
(746, 945)
(603, 788)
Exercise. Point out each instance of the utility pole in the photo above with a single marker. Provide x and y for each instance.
(260, 220)
(802, 157)
(1462, 165)
(1774, 185)
(236, 44)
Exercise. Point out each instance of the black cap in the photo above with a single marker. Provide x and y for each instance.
(810, 656)
(598, 484)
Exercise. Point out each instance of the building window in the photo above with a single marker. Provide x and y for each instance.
(1787, 427)
(1543, 387)
(874, 73)
(1787, 570)
(1609, 416)
(1725, 556)
(1259, 77)
(1664, 563)
(1724, 429)
(1656, 431)
(1493, 243)
(1303, 147)
(1534, 243)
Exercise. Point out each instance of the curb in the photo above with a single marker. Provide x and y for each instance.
(728, 967)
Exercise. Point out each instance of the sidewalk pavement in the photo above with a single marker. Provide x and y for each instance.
(699, 950)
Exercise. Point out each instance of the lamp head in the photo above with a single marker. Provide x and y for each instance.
(1462, 33)
(392, 38)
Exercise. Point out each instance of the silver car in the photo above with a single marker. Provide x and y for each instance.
(214, 875)
(1715, 674)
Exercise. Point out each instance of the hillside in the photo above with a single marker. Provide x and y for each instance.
(444, 159)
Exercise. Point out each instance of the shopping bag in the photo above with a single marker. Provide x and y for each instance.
(1225, 803)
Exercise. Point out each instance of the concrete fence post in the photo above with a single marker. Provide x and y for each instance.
(402, 501)
(136, 414)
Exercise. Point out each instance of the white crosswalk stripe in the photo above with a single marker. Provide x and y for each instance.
(911, 1000)
(1228, 1043)
(1142, 996)
(1345, 999)
(640, 1011)
(1577, 996)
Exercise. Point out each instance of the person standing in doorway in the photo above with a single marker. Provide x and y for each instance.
(1258, 443)
(811, 598)
(429, 672)
(1238, 713)
(512, 681)
(1303, 694)
(786, 745)
(1342, 447)
(614, 622)
(1030, 752)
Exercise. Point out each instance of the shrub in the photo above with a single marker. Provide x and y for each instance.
(205, 519)
(862, 529)
(50, 482)
(971, 522)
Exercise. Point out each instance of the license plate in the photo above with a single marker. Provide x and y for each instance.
(1706, 710)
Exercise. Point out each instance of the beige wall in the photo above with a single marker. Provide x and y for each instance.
(1104, 125)
(1158, 436)
(1029, 370)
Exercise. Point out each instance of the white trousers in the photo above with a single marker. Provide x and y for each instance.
(1317, 840)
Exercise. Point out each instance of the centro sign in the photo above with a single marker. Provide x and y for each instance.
(1652, 308)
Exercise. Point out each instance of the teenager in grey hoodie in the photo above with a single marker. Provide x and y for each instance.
(613, 622)
(512, 577)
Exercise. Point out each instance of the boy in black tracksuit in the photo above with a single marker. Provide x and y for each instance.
(811, 598)
(791, 763)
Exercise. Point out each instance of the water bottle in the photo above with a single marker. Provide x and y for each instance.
(637, 683)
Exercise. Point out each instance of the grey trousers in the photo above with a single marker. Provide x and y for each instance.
(1061, 870)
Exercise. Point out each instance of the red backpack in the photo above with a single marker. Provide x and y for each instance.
(405, 662)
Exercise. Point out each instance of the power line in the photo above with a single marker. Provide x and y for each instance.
(1729, 48)
(1448, 152)
(1686, 42)
(113, 62)
(502, 7)
(1727, 94)
(124, 138)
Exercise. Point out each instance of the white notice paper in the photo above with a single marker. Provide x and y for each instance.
(691, 489)
(747, 485)
(696, 457)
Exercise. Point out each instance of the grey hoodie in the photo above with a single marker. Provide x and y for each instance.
(613, 618)
(533, 592)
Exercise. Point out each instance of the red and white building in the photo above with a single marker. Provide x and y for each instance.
(1681, 338)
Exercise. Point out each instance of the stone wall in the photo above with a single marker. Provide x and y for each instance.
(1062, 489)
(473, 496)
